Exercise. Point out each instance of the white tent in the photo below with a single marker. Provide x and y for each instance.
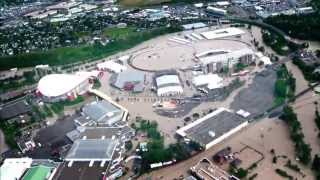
(111, 66)
(167, 79)
(169, 90)
(212, 81)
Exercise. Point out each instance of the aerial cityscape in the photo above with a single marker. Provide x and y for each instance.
(159, 89)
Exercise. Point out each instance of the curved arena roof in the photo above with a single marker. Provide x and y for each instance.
(54, 85)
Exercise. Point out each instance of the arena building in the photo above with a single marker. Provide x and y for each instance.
(56, 87)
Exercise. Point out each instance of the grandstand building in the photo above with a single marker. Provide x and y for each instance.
(216, 60)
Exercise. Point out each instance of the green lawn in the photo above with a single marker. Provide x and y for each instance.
(120, 33)
(37, 173)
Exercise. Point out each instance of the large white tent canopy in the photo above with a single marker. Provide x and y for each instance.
(164, 91)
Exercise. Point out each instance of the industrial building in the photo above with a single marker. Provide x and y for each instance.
(128, 81)
(216, 60)
(99, 112)
(56, 87)
(168, 83)
(14, 109)
(213, 128)
(90, 150)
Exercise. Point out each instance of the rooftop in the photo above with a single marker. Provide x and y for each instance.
(13, 168)
(222, 33)
(120, 80)
(54, 85)
(211, 126)
(99, 132)
(226, 56)
(92, 149)
(14, 109)
(100, 112)
(66, 173)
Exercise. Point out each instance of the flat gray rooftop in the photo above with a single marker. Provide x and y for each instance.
(92, 149)
(11, 110)
(99, 132)
(213, 127)
(100, 112)
(119, 80)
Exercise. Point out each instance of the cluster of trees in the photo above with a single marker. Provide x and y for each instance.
(10, 131)
(317, 120)
(157, 152)
(58, 107)
(307, 70)
(298, 26)
(316, 166)
(27, 78)
(304, 26)
(285, 85)
(284, 174)
(276, 42)
(302, 149)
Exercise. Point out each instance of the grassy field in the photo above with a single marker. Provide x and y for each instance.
(120, 33)
(126, 38)
(142, 2)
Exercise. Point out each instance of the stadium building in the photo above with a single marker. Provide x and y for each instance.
(56, 87)
(216, 60)
(213, 128)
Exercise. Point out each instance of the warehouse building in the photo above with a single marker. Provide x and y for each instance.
(168, 83)
(213, 128)
(56, 87)
(14, 109)
(99, 112)
(128, 81)
(90, 150)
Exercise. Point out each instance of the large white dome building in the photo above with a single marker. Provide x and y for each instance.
(56, 87)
